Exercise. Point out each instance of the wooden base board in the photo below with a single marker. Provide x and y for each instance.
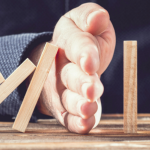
(49, 134)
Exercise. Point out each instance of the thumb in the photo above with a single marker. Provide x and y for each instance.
(90, 17)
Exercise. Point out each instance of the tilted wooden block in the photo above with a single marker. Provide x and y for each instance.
(35, 87)
(130, 86)
(1, 78)
(15, 79)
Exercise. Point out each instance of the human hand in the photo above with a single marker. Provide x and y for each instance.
(86, 40)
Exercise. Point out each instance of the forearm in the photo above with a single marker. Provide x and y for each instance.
(14, 50)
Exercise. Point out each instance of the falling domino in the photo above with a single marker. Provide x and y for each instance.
(1, 78)
(15, 79)
(35, 87)
(130, 86)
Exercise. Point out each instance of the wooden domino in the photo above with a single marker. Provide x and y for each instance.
(35, 87)
(15, 79)
(130, 86)
(1, 78)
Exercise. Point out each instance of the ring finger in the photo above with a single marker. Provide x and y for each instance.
(77, 105)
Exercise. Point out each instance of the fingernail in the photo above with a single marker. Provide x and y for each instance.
(82, 63)
(84, 88)
(91, 15)
(91, 91)
(89, 62)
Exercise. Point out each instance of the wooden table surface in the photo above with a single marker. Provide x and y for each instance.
(48, 134)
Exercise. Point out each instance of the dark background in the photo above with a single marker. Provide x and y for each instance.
(131, 20)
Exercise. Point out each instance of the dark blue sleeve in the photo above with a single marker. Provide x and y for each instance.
(14, 49)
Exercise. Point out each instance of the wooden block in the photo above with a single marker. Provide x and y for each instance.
(35, 87)
(1, 78)
(130, 86)
(15, 79)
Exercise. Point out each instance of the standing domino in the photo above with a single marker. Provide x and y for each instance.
(130, 86)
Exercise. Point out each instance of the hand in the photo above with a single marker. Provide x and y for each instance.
(86, 40)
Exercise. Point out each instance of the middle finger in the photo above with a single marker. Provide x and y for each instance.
(89, 86)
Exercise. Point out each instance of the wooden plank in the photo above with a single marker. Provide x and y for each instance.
(15, 79)
(35, 87)
(49, 134)
(105, 127)
(1, 78)
(86, 145)
(130, 86)
(52, 126)
(95, 135)
(121, 115)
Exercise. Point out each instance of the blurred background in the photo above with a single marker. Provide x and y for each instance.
(131, 20)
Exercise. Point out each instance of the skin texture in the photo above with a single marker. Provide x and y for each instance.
(86, 40)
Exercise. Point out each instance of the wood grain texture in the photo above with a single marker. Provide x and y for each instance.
(15, 79)
(1, 78)
(130, 86)
(49, 134)
(35, 87)
(78, 145)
